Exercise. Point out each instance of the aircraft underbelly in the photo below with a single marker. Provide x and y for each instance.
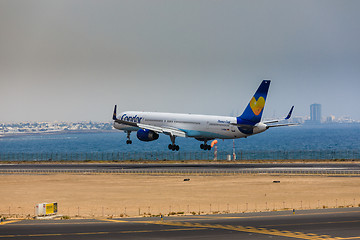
(125, 127)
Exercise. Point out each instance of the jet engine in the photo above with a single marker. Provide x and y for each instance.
(147, 135)
(260, 127)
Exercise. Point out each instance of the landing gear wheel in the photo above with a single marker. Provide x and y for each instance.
(173, 146)
(205, 147)
(128, 137)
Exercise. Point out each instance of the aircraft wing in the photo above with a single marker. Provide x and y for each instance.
(166, 130)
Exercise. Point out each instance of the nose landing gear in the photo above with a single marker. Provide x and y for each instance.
(128, 137)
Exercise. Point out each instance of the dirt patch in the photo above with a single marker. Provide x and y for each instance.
(133, 195)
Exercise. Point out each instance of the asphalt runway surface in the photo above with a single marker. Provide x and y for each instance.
(341, 223)
(181, 166)
(348, 169)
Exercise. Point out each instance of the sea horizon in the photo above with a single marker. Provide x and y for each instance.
(302, 137)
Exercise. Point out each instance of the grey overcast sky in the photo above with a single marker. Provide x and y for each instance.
(73, 60)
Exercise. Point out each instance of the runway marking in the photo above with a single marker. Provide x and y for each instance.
(282, 215)
(309, 223)
(259, 230)
(11, 221)
(190, 226)
(98, 233)
(57, 223)
(112, 220)
(249, 229)
(340, 238)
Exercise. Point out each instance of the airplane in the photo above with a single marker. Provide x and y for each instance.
(149, 125)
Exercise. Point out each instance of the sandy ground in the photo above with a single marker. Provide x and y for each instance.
(133, 195)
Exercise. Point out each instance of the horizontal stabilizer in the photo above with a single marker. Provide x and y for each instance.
(283, 125)
(287, 117)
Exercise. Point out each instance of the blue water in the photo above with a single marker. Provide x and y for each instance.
(322, 137)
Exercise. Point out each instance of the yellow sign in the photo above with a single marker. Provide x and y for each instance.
(51, 208)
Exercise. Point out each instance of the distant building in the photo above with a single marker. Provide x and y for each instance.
(315, 113)
(346, 119)
(330, 119)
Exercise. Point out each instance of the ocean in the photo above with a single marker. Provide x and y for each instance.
(337, 137)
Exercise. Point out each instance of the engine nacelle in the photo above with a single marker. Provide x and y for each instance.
(260, 127)
(147, 135)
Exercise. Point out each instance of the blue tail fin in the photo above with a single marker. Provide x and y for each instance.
(254, 109)
(114, 114)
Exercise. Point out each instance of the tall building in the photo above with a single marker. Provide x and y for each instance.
(315, 113)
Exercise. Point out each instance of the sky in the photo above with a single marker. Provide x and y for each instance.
(73, 60)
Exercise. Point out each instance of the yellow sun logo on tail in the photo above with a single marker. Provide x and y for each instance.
(257, 106)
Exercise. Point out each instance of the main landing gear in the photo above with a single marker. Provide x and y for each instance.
(205, 146)
(173, 146)
(128, 137)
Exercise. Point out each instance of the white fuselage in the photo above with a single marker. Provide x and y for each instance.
(197, 126)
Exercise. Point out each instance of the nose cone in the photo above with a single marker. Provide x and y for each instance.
(260, 127)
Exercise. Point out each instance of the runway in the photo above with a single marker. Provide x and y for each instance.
(295, 168)
(308, 224)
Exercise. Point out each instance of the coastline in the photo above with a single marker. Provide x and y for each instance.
(20, 134)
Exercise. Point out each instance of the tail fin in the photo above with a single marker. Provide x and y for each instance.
(114, 114)
(254, 109)
(289, 115)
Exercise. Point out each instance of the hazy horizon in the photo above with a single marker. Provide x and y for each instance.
(74, 60)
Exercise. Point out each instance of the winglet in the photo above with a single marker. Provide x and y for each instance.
(114, 114)
(289, 115)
